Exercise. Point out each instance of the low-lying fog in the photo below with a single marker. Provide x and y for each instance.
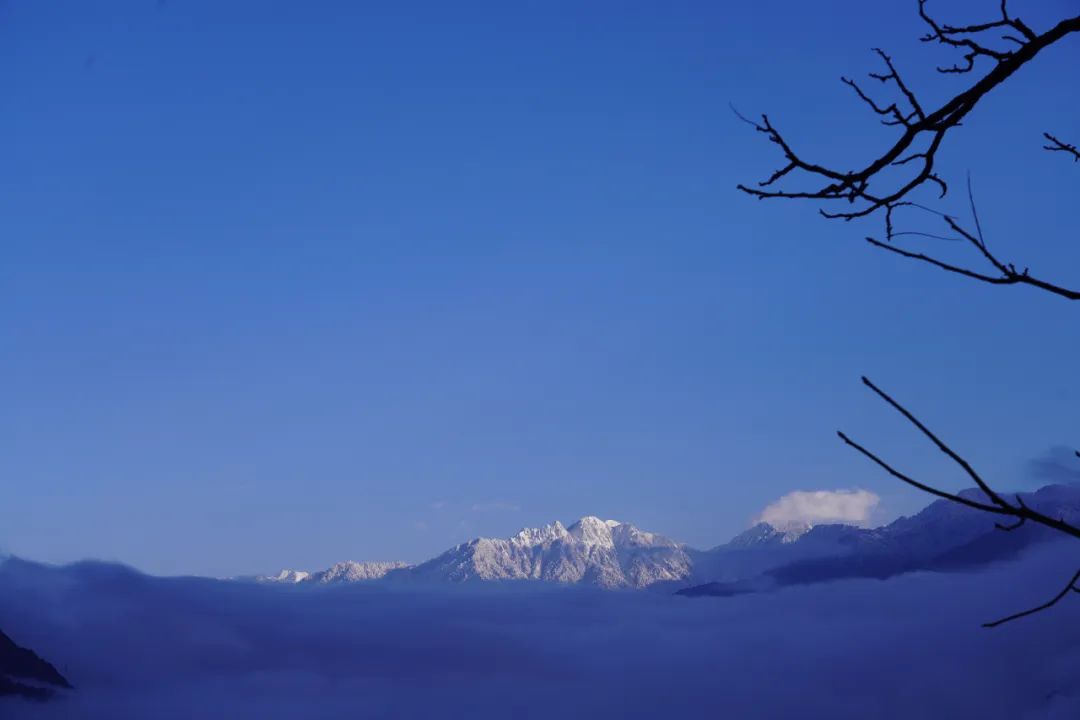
(909, 647)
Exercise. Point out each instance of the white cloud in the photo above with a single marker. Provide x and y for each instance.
(801, 508)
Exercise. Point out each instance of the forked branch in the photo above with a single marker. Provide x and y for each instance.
(871, 187)
(1072, 586)
(1061, 146)
(1000, 272)
(993, 503)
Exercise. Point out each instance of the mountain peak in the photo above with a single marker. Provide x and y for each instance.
(594, 521)
(537, 536)
(288, 576)
(607, 553)
(352, 571)
(763, 532)
(593, 531)
(613, 554)
(755, 535)
(347, 571)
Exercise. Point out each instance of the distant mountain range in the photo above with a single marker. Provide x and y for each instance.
(617, 555)
(943, 536)
(605, 553)
(342, 572)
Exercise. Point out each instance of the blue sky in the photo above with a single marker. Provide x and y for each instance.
(288, 283)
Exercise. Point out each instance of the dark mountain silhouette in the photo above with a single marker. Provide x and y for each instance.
(944, 536)
(23, 673)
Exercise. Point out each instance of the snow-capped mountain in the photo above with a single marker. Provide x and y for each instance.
(349, 571)
(285, 577)
(606, 553)
(765, 534)
(614, 555)
(342, 572)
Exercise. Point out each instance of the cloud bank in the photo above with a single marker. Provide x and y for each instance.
(802, 508)
(176, 649)
(137, 647)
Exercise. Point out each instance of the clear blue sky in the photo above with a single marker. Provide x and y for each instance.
(288, 283)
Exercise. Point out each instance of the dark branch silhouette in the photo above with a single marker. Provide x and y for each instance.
(855, 186)
(1006, 273)
(995, 503)
(885, 183)
(964, 37)
(1061, 146)
(1072, 586)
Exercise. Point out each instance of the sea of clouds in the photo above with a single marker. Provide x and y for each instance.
(910, 647)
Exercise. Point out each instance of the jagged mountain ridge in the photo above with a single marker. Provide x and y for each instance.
(349, 571)
(285, 577)
(616, 555)
(606, 553)
(342, 572)
(943, 536)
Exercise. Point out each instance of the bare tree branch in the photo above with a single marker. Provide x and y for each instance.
(883, 184)
(996, 504)
(923, 131)
(960, 499)
(1072, 586)
(1006, 273)
(963, 37)
(1061, 146)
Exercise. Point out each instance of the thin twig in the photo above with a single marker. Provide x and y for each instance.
(997, 504)
(855, 186)
(1061, 146)
(1072, 586)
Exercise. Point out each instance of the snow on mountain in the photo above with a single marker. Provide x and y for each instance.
(764, 547)
(765, 534)
(285, 577)
(350, 571)
(615, 555)
(605, 553)
(342, 572)
(944, 535)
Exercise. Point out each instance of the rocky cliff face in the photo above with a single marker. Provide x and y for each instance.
(24, 674)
